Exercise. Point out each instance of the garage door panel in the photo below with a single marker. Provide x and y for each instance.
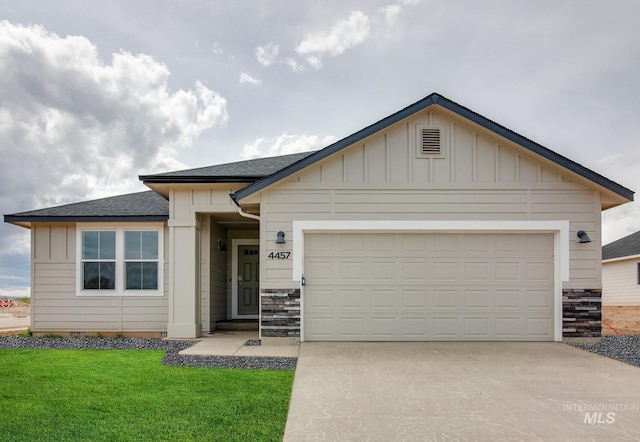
(538, 299)
(382, 298)
(477, 271)
(414, 299)
(458, 287)
(509, 299)
(538, 271)
(353, 271)
(476, 328)
(539, 327)
(414, 327)
(383, 327)
(444, 299)
(353, 299)
(383, 271)
(321, 270)
(476, 299)
(508, 328)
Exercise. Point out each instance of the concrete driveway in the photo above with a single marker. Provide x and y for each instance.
(461, 391)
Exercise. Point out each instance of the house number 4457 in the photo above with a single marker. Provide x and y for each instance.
(279, 255)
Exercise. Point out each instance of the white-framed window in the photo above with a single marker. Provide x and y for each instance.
(126, 260)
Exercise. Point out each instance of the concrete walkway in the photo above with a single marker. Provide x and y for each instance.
(232, 343)
(461, 391)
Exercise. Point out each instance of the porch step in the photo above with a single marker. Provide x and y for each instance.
(237, 324)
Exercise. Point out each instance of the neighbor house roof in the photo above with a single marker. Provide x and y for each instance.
(141, 206)
(627, 246)
(433, 99)
(239, 172)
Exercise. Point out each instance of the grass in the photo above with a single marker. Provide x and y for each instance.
(124, 395)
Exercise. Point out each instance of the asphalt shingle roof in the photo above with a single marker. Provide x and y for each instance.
(242, 171)
(627, 246)
(141, 206)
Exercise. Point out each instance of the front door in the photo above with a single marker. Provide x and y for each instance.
(247, 280)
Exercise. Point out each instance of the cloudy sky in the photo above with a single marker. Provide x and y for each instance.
(93, 93)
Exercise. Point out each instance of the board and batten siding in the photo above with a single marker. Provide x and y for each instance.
(620, 282)
(480, 176)
(55, 305)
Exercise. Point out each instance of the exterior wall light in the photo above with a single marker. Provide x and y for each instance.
(584, 238)
(280, 239)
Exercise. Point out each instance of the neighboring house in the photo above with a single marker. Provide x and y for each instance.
(621, 272)
(434, 223)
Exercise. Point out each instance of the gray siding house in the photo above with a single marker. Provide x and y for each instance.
(433, 223)
(621, 272)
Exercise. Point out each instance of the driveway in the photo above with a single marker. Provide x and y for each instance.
(461, 391)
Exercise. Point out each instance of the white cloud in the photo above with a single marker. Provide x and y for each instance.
(293, 65)
(267, 54)
(314, 61)
(285, 144)
(391, 12)
(217, 49)
(345, 34)
(246, 78)
(73, 127)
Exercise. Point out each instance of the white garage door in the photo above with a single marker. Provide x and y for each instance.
(423, 287)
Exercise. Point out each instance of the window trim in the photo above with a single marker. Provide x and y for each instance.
(120, 261)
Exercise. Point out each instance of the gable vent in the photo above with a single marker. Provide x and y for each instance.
(430, 141)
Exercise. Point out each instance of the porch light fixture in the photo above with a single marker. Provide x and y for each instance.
(221, 246)
(584, 238)
(280, 239)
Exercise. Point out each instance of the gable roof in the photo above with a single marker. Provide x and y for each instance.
(445, 103)
(239, 172)
(627, 246)
(141, 206)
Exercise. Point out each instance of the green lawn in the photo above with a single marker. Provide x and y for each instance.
(127, 395)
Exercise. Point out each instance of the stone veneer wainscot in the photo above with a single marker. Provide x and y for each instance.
(581, 313)
(280, 313)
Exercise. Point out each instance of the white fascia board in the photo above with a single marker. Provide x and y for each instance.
(620, 258)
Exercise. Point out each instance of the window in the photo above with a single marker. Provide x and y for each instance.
(99, 260)
(639, 273)
(141, 260)
(121, 261)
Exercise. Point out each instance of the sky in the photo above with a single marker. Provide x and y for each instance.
(94, 93)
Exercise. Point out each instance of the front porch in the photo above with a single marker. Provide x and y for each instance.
(213, 274)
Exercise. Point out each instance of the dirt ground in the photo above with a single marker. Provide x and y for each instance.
(626, 320)
(19, 309)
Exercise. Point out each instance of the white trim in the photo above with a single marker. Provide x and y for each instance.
(621, 258)
(559, 228)
(234, 277)
(119, 229)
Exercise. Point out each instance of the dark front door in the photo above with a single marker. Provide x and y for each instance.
(248, 279)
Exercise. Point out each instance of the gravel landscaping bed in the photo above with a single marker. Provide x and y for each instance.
(171, 349)
(624, 348)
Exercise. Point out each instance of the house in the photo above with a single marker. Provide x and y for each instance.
(621, 272)
(433, 223)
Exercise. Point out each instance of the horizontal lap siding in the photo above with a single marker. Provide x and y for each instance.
(480, 177)
(55, 305)
(620, 283)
